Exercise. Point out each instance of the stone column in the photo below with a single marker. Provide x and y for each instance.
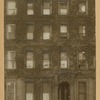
(72, 91)
(20, 89)
(55, 95)
(91, 89)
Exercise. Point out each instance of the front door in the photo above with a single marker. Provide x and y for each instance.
(64, 91)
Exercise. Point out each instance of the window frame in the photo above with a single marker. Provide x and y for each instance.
(50, 9)
(82, 35)
(49, 59)
(64, 35)
(7, 8)
(86, 7)
(47, 82)
(59, 7)
(28, 26)
(67, 60)
(82, 81)
(33, 60)
(7, 92)
(30, 9)
(33, 90)
(84, 61)
(12, 60)
(49, 32)
(10, 35)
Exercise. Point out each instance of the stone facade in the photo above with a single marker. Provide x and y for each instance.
(55, 75)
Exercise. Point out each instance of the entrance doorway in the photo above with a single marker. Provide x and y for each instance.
(64, 91)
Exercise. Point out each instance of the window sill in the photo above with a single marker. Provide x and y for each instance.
(46, 68)
(82, 14)
(10, 69)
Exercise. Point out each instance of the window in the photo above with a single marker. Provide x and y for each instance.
(82, 91)
(64, 60)
(64, 31)
(10, 91)
(82, 59)
(82, 31)
(30, 32)
(46, 91)
(29, 91)
(63, 7)
(11, 8)
(46, 60)
(10, 31)
(46, 32)
(30, 60)
(82, 7)
(30, 9)
(47, 9)
(10, 60)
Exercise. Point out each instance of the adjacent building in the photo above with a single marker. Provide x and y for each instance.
(50, 50)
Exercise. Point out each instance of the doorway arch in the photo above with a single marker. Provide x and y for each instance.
(64, 91)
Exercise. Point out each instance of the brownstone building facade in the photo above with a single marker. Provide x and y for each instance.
(50, 50)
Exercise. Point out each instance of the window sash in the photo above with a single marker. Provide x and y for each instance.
(46, 35)
(46, 11)
(30, 29)
(81, 56)
(11, 11)
(30, 12)
(47, 28)
(82, 29)
(63, 29)
(46, 96)
(29, 36)
(46, 63)
(63, 5)
(11, 5)
(29, 96)
(29, 55)
(11, 64)
(30, 64)
(64, 63)
(63, 56)
(10, 35)
(46, 5)
(46, 56)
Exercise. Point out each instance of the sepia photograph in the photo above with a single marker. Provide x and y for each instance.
(49, 50)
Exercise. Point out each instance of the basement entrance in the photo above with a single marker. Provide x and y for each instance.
(64, 91)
